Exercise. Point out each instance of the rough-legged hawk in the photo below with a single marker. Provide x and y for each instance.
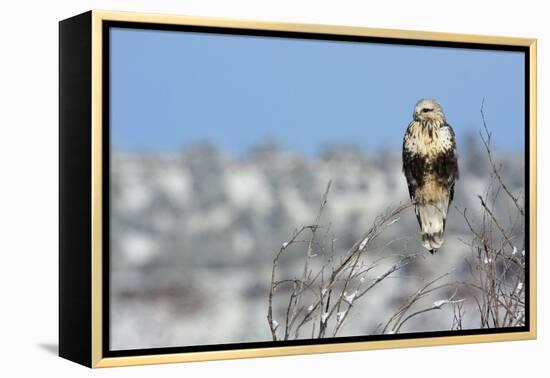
(430, 167)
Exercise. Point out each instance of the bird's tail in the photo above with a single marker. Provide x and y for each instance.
(432, 219)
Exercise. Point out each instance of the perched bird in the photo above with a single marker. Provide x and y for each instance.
(431, 168)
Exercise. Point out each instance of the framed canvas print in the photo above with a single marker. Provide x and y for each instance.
(235, 189)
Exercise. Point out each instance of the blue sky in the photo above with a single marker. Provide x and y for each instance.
(171, 90)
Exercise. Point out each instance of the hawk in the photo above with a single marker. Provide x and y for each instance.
(431, 168)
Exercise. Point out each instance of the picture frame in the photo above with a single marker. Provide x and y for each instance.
(85, 107)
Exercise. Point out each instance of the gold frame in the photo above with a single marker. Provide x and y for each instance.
(99, 361)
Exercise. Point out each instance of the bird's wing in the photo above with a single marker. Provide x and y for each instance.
(447, 168)
(414, 167)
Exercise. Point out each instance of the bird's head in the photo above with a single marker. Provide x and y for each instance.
(428, 110)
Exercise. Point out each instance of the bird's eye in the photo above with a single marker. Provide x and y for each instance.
(426, 110)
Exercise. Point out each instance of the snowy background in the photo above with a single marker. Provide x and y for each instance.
(194, 234)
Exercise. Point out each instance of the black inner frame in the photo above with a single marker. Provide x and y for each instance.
(107, 25)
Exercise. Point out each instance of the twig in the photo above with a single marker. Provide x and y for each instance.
(487, 143)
